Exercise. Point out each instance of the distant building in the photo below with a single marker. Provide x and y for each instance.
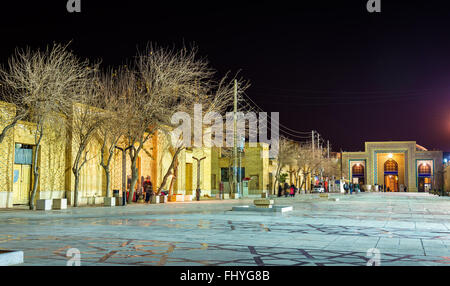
(394, 165)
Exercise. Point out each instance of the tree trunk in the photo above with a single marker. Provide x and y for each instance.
(39, 130)
(174, 177)
(134, 177)
(277, 174)
(77, 183)
(166, 176)
(35, 178)
(108, 183)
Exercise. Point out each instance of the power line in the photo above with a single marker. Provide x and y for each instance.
(283, 128)
(287, 128)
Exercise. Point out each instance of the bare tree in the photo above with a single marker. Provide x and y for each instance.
(85, 120)
(216, 97)
(39, 84)
(113, 85)
(227, 153)
(307, 162)
(7, 94)
(286, 157)
(167, 81)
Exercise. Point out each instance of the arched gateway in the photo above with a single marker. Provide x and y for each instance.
(391, 175)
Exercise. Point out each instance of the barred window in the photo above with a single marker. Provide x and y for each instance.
(358, 169)
(390, 166)
(424, 169)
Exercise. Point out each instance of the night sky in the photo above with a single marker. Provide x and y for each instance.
(329, 66)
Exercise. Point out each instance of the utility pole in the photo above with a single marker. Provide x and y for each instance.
(328, 148)
(313, 142)
(235, 139)
(197, 192)
(241, 151)
(241, 191)
(318, 141)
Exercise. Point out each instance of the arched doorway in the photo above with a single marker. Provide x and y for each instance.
(424, 177)
(391, 175)
(358, 173)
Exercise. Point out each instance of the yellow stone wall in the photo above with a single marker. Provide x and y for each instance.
(52, 160)
(51, 156)
(58, 151)
(255, 165)
(7, 112)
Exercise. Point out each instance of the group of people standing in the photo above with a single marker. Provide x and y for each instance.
(384, 188)
(146, 189)
(287, 190)
(350, 188)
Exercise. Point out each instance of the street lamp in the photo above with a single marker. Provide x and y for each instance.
(198, 191)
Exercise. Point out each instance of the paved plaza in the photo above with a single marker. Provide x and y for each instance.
(407, 229)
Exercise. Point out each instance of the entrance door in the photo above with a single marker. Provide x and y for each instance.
(391, 182)
(188, 178)
(22, 184)
(254, 183)
(424, 184)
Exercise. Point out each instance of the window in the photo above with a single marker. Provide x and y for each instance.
(224, 177)
(213, 181)
(23, 154)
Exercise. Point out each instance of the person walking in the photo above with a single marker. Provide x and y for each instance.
(280, 190)
(351, 188)
(148, 189)
(286, 189)
(292, 193)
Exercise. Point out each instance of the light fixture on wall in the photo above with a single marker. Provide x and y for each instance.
(391, 156)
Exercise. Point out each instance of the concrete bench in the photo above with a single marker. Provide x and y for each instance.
(59, 204)
(10, 257)
(44, 205)
(263, 203)
(155, 199)
(163, 199)
(109, 202)
(180, 198)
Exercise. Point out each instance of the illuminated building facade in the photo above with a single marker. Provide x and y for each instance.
(395, 165)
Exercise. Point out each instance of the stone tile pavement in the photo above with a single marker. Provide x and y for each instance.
(406, 229)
